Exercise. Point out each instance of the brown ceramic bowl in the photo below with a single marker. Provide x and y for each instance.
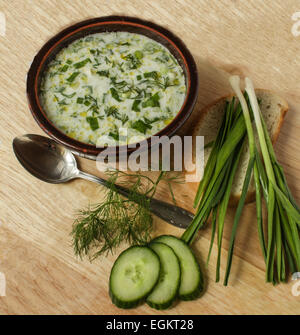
(108, 24)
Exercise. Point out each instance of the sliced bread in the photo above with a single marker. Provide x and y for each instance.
(273, 109)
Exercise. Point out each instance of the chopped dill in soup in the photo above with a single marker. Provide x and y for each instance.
(114, 86)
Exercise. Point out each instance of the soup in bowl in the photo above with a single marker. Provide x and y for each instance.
(111, 82)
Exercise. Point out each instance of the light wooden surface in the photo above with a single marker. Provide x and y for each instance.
(42, 275)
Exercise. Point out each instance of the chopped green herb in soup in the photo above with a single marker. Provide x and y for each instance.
(107, 82)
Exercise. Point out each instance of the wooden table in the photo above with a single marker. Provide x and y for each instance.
(251, 38)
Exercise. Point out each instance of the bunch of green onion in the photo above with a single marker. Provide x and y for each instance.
(281, 245)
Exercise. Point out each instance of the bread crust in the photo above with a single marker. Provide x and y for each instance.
(234, 199)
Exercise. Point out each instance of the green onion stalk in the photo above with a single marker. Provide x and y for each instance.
(282, 244)
(215, 187)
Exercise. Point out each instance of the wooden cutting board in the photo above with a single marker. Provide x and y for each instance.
(36, 256)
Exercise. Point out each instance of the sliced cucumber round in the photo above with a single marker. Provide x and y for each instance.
(165, 291)
(133, 276)
(191, 283)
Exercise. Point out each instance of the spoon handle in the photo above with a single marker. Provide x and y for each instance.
(174, 215)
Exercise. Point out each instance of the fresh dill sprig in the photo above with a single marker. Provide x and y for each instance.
(101, 228)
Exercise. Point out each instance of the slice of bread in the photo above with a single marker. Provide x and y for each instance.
(273, 109)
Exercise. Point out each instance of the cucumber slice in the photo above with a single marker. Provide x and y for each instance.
(191, 283)
(133, 276)
(165, 291)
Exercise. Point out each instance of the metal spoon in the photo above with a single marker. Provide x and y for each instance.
(51, 162)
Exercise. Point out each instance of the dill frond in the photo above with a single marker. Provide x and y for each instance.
(101, 228)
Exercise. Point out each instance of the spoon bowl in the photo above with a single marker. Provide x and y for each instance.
(45, 159)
